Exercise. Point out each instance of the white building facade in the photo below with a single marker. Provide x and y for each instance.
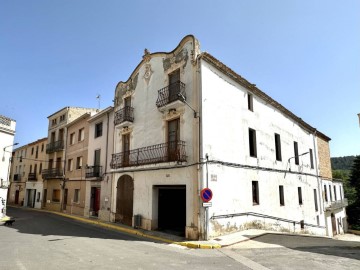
(7, 133)
(99, 192)
(183, 122)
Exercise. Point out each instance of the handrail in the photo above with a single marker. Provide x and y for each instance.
(265, 216)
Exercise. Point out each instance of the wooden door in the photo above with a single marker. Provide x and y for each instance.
(124, 200)
(65, 198)
(17, 197)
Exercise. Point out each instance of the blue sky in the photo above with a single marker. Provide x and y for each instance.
(304, 54)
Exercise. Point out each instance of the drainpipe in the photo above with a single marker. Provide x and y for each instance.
(317, 175)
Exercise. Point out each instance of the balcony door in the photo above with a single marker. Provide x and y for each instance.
(126, 148)
(174, 85)
(97, 163)
(173, 138)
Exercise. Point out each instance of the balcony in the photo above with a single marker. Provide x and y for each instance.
(124, 115)
(54, 147)
(17, 177)
(337, 205)
(93, 171)
(169, 98)
(32, 177)
(52, 173)
(164, 152)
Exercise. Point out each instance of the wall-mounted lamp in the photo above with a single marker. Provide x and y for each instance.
(183, 99)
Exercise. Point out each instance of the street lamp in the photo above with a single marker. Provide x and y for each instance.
(3, 158)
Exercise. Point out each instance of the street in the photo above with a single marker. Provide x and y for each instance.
(41, 240)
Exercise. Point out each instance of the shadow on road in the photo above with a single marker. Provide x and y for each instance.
(320, 245)
(45, 224)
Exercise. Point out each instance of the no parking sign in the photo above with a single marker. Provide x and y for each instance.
(206, 194)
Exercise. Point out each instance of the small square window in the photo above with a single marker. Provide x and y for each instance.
(252, 142)
(250, 102)
(79, 163)
(98, 129)
(281, 195)
(76, 195)
(255, 192)
(81, 134)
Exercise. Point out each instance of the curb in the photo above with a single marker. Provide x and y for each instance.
(354, 232)
(127, 230)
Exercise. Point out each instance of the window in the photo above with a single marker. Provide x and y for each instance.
(315, 201)
(53, 122)
(255, 192)
(330, 193)
(76, 195)
(296, 153)
(62, 118)
(318, 220)
(341, 196)
(252, 142)
(281, 195)
(37, 152)
(311, 158)
(250, 102)
(98, 129)
(81, 134)
(72, 138)
(70, 164)
(56, 195)
(335, 197)
(174, 85)
(277, 147)
(173, 137)
(79, 163)
(42, 148)
(300, 196)
(325, 193)
(40, 168)
(32, 151)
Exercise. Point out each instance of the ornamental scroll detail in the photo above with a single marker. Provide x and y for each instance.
(125, 89)
(175, 59)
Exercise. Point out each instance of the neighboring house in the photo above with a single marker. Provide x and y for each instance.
(7, 133)
(184, 122)
(27, 183)
(76, 186)
(54, 173)
(101, 133)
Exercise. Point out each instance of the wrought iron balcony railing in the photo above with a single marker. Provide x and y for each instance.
(123, 115)
(32, 177)
(17, 177)
(93, 171)
(337, 204)
(164, 152)
(170, 94)
(54, 147)
(52, 173)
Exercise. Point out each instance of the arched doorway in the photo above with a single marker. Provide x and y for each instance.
(124, 200)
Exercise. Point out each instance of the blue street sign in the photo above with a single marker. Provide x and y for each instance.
(206, 194)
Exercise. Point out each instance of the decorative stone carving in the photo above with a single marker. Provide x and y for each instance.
(125, 89)
(146, 55)
(148, 72)
(176, 58)
(126, 130)
(195, 52)
(173, 113)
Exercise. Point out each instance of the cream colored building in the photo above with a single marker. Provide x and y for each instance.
(76, 184)
(54, 173)
(18, 178)
(184, 123)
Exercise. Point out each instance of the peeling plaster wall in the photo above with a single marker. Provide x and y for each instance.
(226, 123)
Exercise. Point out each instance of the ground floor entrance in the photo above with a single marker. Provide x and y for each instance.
(95, 201)
(172, 209)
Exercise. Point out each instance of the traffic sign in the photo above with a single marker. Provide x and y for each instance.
(206, 194)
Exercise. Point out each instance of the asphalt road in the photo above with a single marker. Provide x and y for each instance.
(40, 240)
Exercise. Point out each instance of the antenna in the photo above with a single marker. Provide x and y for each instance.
(98, 97)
